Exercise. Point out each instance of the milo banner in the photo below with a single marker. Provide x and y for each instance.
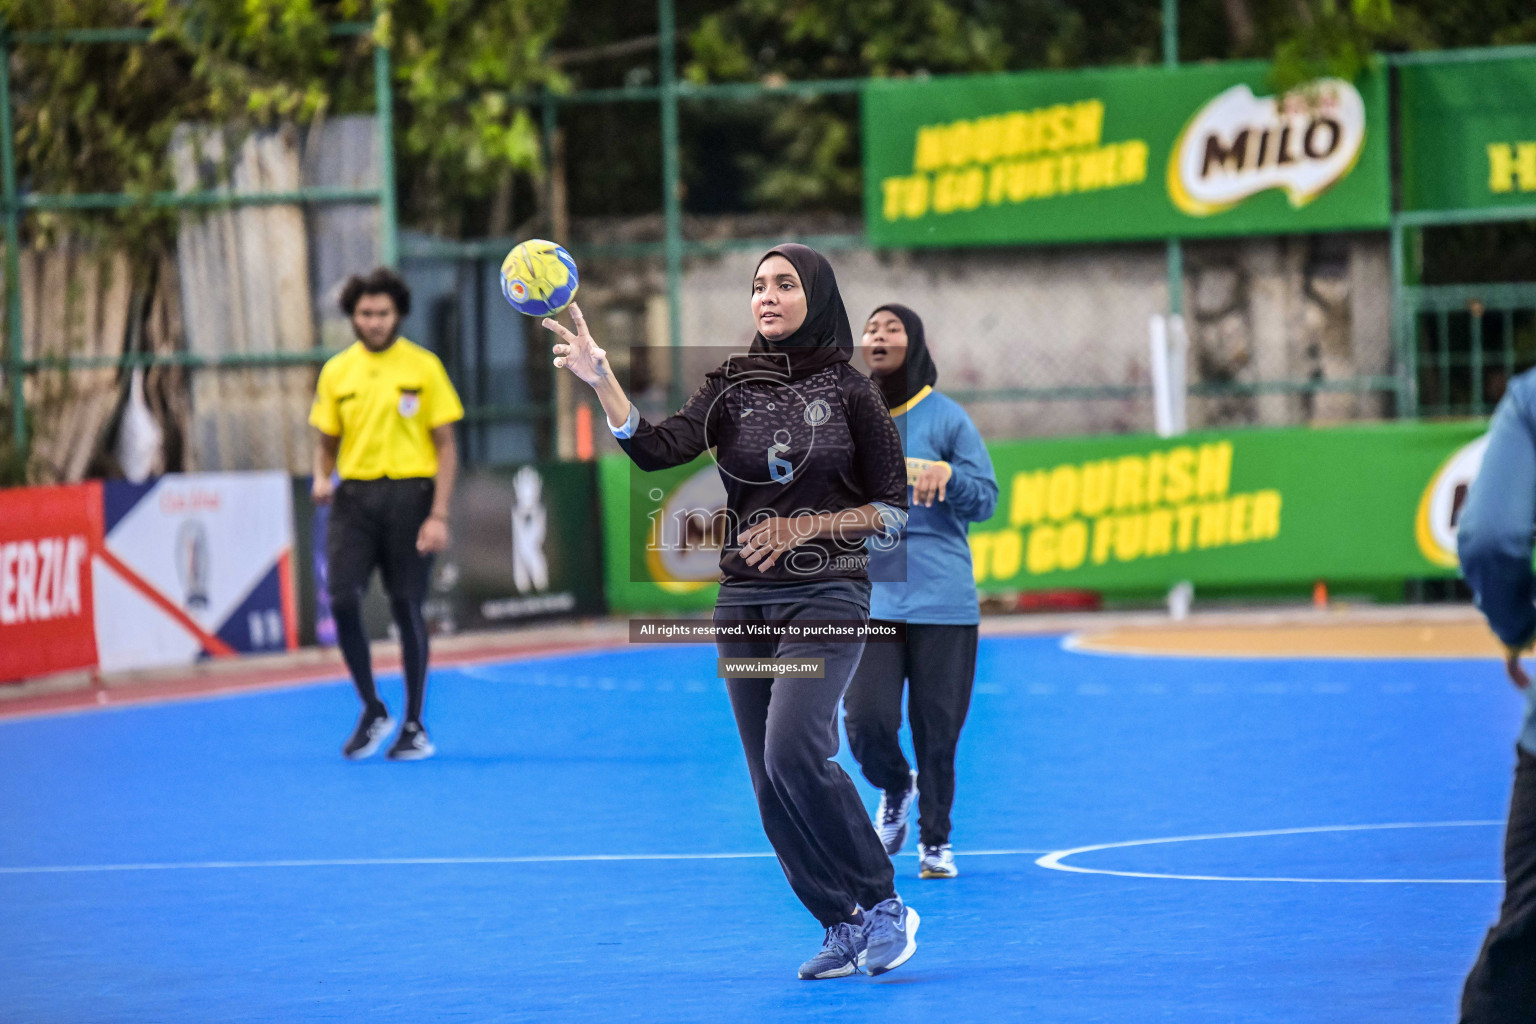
(1248, 507)
(660, 549)
(1121, 154)
(1370, 502)
(1468, 135)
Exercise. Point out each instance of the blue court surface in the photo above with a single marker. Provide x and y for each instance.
(585, 848)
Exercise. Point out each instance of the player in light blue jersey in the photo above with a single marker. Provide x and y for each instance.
(1494, 543)
(953, 485)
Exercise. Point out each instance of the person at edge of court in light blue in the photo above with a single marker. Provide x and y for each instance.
(953, 485)
(1494, 542)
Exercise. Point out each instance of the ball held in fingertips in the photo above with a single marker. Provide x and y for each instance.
(538, 278)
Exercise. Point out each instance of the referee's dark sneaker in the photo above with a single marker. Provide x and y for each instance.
(412, 744)
(372, 726)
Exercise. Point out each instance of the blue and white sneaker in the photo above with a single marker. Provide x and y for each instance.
(890, 936)
(841, 954)
(936, 862)
(891, 817)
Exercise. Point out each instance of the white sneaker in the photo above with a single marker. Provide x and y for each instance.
(937, 862)
(891, 818)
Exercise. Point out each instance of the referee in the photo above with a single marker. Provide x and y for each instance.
(384, 412)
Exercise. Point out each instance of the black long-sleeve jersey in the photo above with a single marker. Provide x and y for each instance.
(825, 443)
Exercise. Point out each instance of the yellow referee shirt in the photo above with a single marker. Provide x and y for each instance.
(383, 406)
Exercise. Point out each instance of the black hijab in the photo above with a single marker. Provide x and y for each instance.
(825, 338)
(918, 371)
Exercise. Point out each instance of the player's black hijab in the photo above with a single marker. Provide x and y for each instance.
(917, 371)
(825, 339)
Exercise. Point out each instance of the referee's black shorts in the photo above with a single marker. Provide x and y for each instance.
(374, 524)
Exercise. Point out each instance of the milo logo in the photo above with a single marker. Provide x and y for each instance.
(687, 529)
(1440, 505)
(1239, 145)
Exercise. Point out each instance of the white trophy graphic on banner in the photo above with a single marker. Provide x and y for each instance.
(192, 562)
(530, 569)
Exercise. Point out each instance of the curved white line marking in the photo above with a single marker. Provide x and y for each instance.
(579, 858)
(1053, 861)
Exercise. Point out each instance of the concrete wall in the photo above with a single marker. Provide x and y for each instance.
(1009, 320)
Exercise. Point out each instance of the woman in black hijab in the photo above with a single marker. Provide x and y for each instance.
(812, 467)
(932, 591)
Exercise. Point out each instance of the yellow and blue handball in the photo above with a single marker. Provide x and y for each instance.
(538, 278)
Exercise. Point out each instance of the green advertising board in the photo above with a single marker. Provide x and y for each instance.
(641, 575)
(1368, 502)
(1468, 137)
(1120, 154)
(1229, 508)
(525, 546)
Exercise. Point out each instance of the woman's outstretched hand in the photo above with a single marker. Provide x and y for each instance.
(578, 352)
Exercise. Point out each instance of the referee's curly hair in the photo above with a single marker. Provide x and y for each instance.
(381, 281)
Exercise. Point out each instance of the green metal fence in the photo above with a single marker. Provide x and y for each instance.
(15, 205)
(1456, 345)
(1469, 340)
(1445, 341)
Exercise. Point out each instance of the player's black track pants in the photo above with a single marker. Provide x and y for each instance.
(938, 664)
(374, 524)
(1502, 986)
(810, 808)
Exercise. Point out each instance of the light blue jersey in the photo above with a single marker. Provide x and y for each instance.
(940, 585)
(1494, 534)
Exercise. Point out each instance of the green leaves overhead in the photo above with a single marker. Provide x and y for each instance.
(99, 117)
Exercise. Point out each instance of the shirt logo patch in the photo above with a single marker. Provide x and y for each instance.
(780, 468)
(410, 403)
(818, 412)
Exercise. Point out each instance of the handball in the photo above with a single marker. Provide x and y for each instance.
(538, 278)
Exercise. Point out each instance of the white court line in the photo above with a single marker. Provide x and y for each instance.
(1053, 861)
(579, 858)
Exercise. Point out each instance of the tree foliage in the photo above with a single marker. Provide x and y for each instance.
(99, 117)
(760, 40)
(459, 64)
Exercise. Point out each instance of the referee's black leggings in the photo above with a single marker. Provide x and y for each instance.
(374, 523)
(937, 664)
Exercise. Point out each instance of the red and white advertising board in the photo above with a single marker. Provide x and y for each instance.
(48, 536)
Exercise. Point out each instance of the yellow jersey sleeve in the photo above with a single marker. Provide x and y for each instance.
(442, 402)
(324, 415)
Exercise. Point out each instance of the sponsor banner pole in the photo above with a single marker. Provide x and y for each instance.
(1162, 399)
(1175, 246)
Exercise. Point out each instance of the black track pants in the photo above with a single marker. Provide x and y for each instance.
(374, 524)
(938, 665)
(1502, 986)
(810, 808)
